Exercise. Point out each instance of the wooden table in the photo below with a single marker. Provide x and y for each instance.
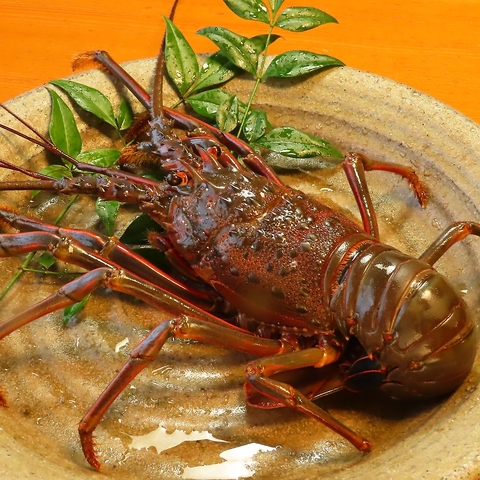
(431, 45)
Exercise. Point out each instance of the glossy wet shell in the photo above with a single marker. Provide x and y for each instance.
(257, 247)
(51, 374)
(410, 318)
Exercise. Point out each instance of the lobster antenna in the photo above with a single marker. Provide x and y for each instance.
(26, 124)
(45, 143)
(157, 95)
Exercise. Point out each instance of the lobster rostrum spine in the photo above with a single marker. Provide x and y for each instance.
(302, 277)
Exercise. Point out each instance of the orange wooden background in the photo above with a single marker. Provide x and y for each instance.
(431, 45)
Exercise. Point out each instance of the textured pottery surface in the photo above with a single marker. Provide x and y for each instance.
(51, 374)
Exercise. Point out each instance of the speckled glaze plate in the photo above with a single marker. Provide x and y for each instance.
(51, 374)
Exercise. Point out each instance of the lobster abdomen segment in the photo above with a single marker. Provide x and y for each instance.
(410, 318)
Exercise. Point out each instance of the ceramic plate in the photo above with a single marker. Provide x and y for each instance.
(51, 374)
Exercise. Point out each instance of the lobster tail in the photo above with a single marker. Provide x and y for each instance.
(413, 322)
(434, 344)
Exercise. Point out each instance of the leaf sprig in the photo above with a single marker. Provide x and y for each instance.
(64, 134)
(198, 85)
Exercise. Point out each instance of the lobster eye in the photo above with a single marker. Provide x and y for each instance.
(178, 179)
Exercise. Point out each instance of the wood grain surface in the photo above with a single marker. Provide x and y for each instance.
(431, 45)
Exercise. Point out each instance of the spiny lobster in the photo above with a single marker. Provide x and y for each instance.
(262, 269)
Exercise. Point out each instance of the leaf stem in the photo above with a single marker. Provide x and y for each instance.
(258, 79)
(249, 105)
(179, 101)
(15, 278)
(65, 210)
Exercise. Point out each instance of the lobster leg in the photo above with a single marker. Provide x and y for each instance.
(147, 351)
(258, 375)
(103, 58)
(67, 295)
(355, 165)
(114, 277)
(280, 358)
(453, 234)
(108, 248)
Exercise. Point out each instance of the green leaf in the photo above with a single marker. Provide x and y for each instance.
(46, 260)
(299, 62)
(275, 5)
(63, 130)
(107, 210)
(136, 236)
(217, 69)
(207, 103)
(240, 50)
(88, 98)
(125, 117)
(300, 19)
(157, 176)
(261, 42)
(249, 10)
(57, 171)
(102, 157)
(136, 232)
(72, 310)
(294, 143)
(255, 125)
(227, 114)
(180, 59)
